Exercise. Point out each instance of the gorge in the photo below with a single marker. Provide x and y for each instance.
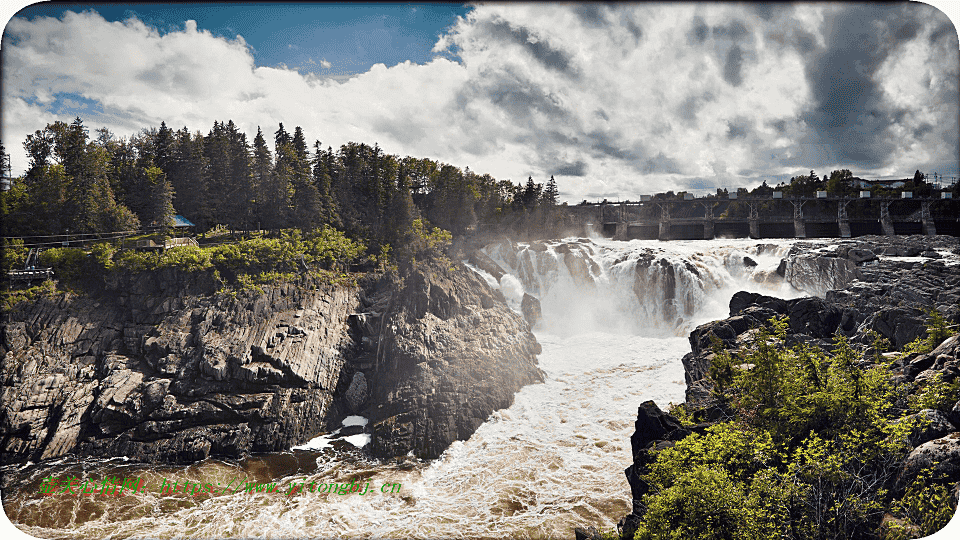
(486, 440)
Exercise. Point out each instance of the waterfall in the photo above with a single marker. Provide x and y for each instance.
(647, 288)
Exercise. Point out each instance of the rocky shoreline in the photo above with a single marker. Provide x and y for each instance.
(886, 285)
(160, 367)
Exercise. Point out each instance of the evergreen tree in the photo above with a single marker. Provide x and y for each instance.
(551, 195)
(264, 198)
(323, 183)
(188, 178)
(307, 207)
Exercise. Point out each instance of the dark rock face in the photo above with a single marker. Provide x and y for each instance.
(451, 353)
(530, 307)
(151, 372)
(482, 261)
(655, 430)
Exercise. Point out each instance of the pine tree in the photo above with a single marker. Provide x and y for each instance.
(264, 199)
(307, 208)
(323, 182)
(551, 195)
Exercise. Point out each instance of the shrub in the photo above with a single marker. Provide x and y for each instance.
(67, 263)
(189, 258)
(13, 254)
(815, 454)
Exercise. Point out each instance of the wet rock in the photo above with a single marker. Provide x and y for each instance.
(654, 431)
(356, 394)
(817, 274)
(530, 307)
(446, 364)
(485, 263)
(113, 373)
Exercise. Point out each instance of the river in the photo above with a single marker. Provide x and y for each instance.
(612, 337)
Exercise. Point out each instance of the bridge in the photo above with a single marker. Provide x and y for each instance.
(690, 218)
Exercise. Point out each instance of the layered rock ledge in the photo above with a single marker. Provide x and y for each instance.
(160, 367)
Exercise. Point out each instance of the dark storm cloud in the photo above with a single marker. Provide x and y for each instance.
(658, 164)
(590, 14)
(690, 106)
(803, 41)
(732, 66)
(699, 30)
(944, 30)
(605, 144)
(735, 30)
(519, 97)
(849, 111)
(578, 168)
(549, 57)
(634, 29)
(738, 128)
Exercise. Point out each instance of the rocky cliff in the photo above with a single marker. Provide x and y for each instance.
(159, 367)
(880, 284)
(450, 354)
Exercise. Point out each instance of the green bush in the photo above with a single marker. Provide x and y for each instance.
(102, 255)
(815, 452)
(137, 261)
(68, 263)
(13, 253)
(189, 258)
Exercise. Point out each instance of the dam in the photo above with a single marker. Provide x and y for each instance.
(774, 216)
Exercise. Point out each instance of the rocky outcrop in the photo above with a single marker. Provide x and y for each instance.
(863, 284)
(655, 431)
(151, 370)
(159, 367)
(451, 353)
(531, 310)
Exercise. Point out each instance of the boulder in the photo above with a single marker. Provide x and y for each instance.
(941, 456)
(530, 307)
(930, 424)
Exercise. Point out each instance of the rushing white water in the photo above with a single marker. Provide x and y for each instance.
(612, 337)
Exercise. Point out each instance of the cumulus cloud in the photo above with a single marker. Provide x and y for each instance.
(613, 100)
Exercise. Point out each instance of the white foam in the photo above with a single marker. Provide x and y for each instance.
(354, 421)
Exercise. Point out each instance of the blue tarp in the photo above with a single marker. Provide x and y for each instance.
(180, 221)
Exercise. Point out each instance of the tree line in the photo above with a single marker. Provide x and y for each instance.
(78, 183)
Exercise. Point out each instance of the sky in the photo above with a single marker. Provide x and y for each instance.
(612, 100)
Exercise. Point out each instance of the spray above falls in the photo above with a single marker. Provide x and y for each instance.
(638, 287)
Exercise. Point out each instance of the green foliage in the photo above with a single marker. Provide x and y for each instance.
(257, 260)
(13, 254)
(189, 258)
(937, 329)
(936, 394)
(927, 507)
(68, 263)
(15, 296)
(429, 239)
(707, 503)
(102, 254)
(742, 450)
(815, 454)
(137, 261)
